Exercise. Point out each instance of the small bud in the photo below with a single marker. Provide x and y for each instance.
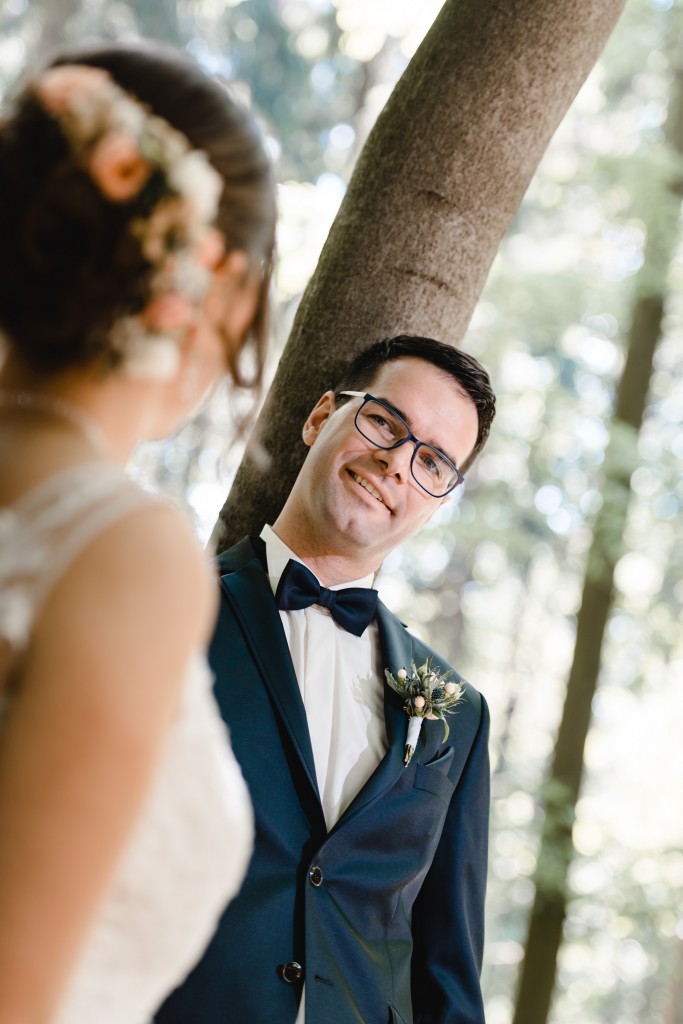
(450, 689)
(401, 673)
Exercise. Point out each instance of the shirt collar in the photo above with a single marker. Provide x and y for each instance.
(278, 554)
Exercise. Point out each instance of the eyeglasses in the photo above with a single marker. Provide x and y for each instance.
(384, 428)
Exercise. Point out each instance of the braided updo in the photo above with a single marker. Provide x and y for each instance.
(70, 267)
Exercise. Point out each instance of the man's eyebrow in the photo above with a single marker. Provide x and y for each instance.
(422, 439)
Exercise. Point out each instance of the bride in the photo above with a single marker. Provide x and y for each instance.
(136, 238)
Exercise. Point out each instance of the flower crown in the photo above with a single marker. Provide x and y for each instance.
(122, 146)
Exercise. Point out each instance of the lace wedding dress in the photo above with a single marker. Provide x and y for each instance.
(190, 848)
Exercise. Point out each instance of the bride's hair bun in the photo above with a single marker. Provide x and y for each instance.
(73, 262)
(68, 264)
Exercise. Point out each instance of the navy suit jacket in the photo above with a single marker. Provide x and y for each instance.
(392, 933)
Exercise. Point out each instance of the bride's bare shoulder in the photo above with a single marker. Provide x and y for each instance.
(128, 613)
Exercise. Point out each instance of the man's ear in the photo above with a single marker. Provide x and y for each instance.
(318, 416)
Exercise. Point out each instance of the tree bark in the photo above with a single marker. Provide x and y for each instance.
(434, 191)
(537, 977)
(673, 1014)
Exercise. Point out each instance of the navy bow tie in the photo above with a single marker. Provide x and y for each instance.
(352, 607)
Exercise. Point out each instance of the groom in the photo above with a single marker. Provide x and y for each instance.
(363, 903)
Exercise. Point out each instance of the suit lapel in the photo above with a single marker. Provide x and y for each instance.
(248, 591)
(396, 646)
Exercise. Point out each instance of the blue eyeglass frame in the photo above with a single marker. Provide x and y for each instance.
(410, 436)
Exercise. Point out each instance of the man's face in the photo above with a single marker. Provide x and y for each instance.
(362, 501)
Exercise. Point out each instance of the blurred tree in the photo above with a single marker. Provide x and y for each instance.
(562, 789)
(430, 199)
(55, 15)
(674, 1008)
(158, 21)
(299, 80)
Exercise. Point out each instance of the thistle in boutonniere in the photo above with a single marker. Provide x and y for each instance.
(427, 695)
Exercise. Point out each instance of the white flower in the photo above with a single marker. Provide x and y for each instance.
(200, 184)
(173, 143)
(145, 356)
(186, 276)
(8, 524)
(153, 359)
(16, 613)
(130, 117)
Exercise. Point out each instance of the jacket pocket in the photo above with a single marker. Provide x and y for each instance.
(433, 777)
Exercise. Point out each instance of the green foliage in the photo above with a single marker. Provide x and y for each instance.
(298, 80)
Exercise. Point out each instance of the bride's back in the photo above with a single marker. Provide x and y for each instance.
(136, 233)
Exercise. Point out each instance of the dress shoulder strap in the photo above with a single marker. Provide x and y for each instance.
(45, 531)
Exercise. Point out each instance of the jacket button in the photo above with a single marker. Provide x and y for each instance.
(315, 876)
(291, 972)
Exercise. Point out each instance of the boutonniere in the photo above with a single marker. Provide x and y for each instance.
(427, 695)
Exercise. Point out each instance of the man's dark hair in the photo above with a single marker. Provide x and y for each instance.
(468, 373)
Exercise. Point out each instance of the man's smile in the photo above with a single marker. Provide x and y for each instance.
(368, 487)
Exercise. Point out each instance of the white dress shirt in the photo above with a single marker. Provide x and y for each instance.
(341, 687)
(342, 690)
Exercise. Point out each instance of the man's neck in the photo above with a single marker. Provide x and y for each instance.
(331, 568)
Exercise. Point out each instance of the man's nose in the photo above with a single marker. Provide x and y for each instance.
(395, 461)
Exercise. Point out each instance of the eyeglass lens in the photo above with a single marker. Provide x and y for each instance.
(385, 430)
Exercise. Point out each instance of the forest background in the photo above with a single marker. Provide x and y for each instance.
(496, 580)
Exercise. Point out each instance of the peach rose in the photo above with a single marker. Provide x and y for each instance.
(168, 312)
(418, 702)
(116, 167)
(57, 87)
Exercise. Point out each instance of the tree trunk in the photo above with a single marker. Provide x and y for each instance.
(434, 191)
(547, 917)
(673, 1014)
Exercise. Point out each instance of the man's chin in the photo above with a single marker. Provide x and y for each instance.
(370, 545)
